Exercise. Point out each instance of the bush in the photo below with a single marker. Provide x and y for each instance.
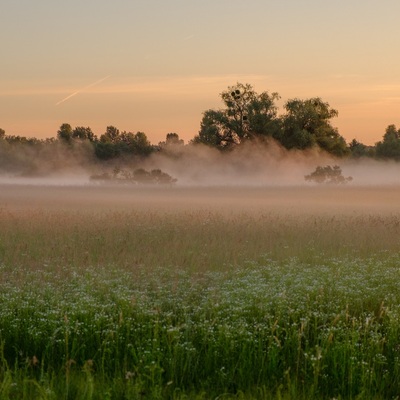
(138, 176)
(328, 174)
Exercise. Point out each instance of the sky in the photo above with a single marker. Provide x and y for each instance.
(155, 65)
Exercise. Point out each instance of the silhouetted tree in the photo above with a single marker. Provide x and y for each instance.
(17, 139)
(111, 135)
(173, 139)
(307, 123)
(65, 133)
(389, 147)
(247, 115)
(105, 150)
(141, 145)
(328, 174)
(83, 133)
(138, 176)
(107, 147)
(113, 143)
(134, 143)
(391, 134)
(358, 149)
(161, 178)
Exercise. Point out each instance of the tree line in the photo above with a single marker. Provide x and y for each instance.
(246, 116)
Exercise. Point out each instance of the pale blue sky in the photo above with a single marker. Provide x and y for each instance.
(167, 61)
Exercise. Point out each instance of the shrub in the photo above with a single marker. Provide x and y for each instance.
(138, 176)
(328, 174)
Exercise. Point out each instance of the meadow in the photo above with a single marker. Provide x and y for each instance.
(199, 293)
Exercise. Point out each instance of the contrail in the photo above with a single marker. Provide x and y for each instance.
(188, 37)
(83, 89)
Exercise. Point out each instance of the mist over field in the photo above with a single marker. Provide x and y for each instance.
(250, 165)
(254, 165)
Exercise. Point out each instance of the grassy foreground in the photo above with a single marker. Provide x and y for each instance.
(122, 302)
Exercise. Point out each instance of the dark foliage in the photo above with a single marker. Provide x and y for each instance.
(389, 147)
(328, 174)
(137, 176)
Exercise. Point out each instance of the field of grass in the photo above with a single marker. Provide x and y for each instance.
(180, 293)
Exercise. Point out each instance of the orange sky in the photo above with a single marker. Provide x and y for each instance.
(156, 66)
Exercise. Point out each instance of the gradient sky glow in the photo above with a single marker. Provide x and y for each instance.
(156, 65)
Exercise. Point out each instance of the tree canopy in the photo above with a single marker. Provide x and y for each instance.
(247, 115)
(65, 133)
(389, 146)
(307, 123)
(114, 143)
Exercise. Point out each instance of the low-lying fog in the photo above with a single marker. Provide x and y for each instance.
(254, 178)
(251, 165)
(229, 201)
(252, 181)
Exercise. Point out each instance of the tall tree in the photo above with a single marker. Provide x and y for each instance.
(172, 138)
(111, 135)
(135, 143)
(141, 144)
(247, 115)
(358, 149)
(107, 147)
(307, 123)
(113, 143)
(389, 146)
(65, 133)
(82, 133)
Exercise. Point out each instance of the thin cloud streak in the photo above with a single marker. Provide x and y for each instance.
(83, 89)
(198, 85)
(191, 85)
(188, 37)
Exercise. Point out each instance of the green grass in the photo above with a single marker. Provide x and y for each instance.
(198, 303)
(324, 330)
